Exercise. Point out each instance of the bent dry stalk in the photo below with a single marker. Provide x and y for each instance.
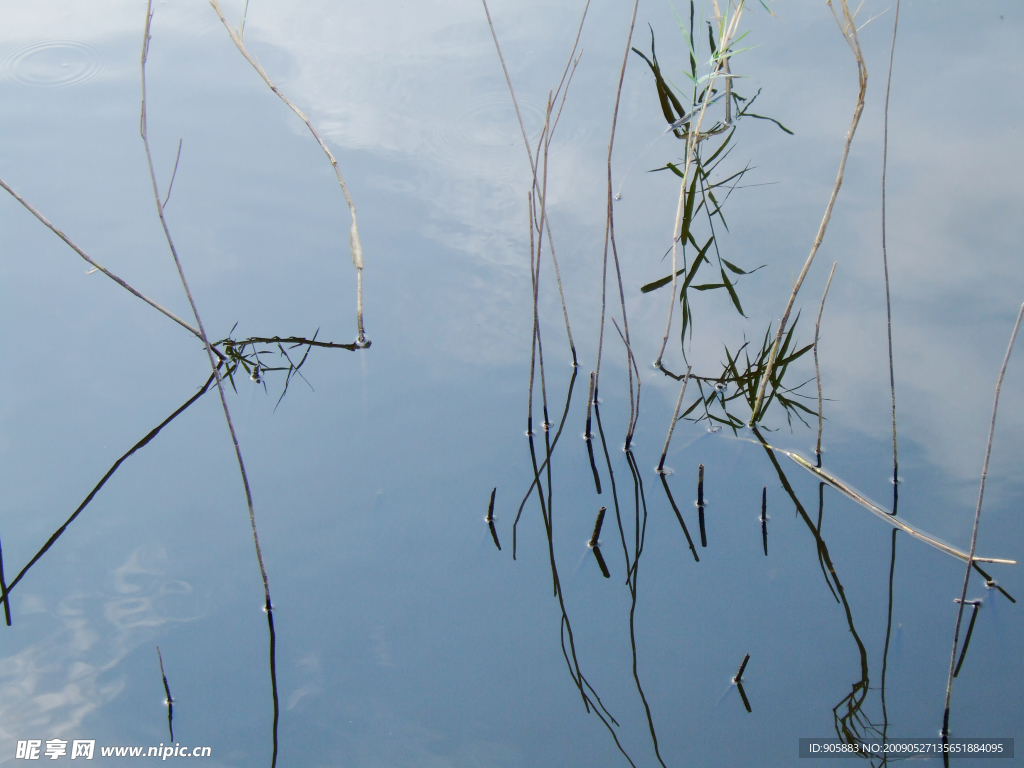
(355, 246)
(849, 32)
(885, 515)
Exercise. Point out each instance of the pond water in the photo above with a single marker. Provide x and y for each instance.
(403, 635)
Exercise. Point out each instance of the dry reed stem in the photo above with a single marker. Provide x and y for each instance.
(609, 231)
(214, 364)
(849, 32)
(885, 254)
(675, 418)
(693, 138)
(104, 270)
(817, 371)
(545, 141)
(354, 244)
(977, 519)
(891, 519)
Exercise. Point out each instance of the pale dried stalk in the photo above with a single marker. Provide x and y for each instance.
(885, 252)
(888, 517)
(672, 424)
(545, 140)
(353, 235)
(977, 519)
(104, 270)
(691, 148)
(817, 371)
(849, 31)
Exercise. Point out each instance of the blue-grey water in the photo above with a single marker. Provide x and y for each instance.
(403, 636)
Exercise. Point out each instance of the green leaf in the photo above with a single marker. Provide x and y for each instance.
(739, 271)
(660, 283)
(732, 293)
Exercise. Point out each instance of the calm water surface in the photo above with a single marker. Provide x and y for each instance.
(404, 637)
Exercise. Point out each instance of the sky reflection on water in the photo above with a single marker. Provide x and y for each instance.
(404, 636)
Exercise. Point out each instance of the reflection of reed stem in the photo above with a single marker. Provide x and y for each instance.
(764, 520)
(96, 489)
(679, 517)
(888, 634)
(849, 31)
(3, 587)
(589, 436)
(353, 236)
(967, 639)
(167, 690)
(977, 520)
(700, 505)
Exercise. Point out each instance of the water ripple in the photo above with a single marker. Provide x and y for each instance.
(53, 63)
